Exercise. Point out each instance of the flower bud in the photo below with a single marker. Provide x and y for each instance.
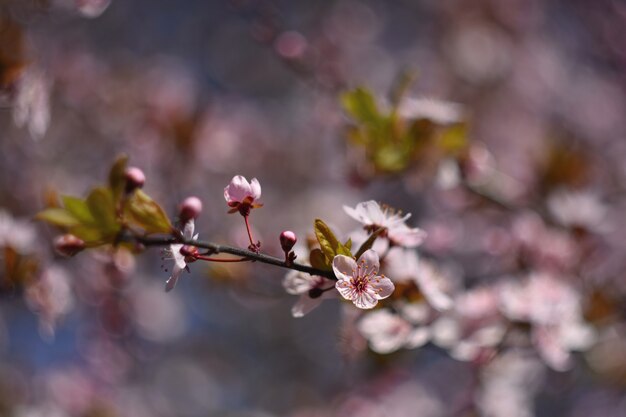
(68, 245)
(287, 240)
(190, 209)
(135, 178)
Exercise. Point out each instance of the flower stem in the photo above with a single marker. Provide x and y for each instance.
(252, 244)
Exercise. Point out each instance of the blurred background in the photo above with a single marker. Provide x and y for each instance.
(196, 92)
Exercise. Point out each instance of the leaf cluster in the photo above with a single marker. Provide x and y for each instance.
(392, 144)
(107, 210)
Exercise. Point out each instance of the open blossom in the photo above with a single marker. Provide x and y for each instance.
(359, 282)
(554, 310)
(242, 196)
(473, 327)
(373, 216)
(387, 332)
(176, 254)
(312, 290)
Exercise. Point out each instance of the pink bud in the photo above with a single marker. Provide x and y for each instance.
(287, 240)
(190, 208)
(68, 245)
(135, 178)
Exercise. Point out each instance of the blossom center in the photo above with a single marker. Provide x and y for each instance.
(361, 277)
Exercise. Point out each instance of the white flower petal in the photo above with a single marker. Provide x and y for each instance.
(172, 280)
(345, 289)
(296, 282)
(383, 287)
(365, 300)
(344, 266)
(179, 258)
(188, 229)
(418, 338)
(305, 305)
(370, 262)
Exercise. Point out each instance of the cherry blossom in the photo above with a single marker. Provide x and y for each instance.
(553, 308)
(387, 332)
(374, 216)
(177, 253)
(312, 290)
(359, 282)
(577, 209)
(242, 195)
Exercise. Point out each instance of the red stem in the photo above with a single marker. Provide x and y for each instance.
(245, 218)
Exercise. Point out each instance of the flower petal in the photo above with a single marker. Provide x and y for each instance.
(345, 289)
(344, 267)
(172, 280)
(179, 258)
(365, 300)
(370, 260)
(237, 190)
(383, 287)
(405, 236)
(188, 229)
(305, 305)
(296, 282)
(255, 189)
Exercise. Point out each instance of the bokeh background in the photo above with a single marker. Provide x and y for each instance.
(198, 91)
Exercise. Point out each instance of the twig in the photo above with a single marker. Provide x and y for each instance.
(217, 248)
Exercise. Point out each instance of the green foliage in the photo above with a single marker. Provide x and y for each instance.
(117, 180)
(393, 144)
(142, 211)
(330, 246)
(318, 260)
(107, 210)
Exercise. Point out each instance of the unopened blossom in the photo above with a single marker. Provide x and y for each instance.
(359, 282)
(387, 332)
(312, 290)
(179, 253)
(242, 196)
(374, 216)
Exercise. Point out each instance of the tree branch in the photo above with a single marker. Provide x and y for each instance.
(217, 248)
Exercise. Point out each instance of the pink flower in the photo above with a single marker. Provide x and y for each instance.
(242, 195)
(373, 217)
(387, 332)
(359, 282)
(312, 290)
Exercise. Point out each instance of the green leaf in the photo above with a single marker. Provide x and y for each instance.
(454, 138)
(91, 235)
(102, 208)
(318, 260)
(147, 214)
(361, 105)
(403, 82)
(117, 180)
(329, 243)
(368, 243)
(348, 244)
(78, 208)
(58, 217)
